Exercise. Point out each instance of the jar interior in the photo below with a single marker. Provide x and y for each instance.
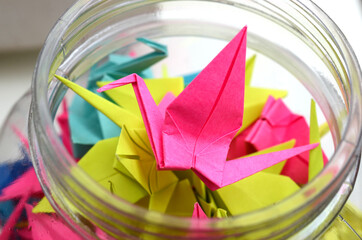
(289, 55)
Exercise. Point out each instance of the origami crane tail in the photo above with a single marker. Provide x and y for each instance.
(240, 168)
(151, 114)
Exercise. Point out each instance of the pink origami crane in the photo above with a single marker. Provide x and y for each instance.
(201, 122)
(277, 124)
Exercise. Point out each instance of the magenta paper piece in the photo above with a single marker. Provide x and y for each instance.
(63, 121)
(202, 121)
(167, 99)
(277, 124)
(24, 234)
(26, 184)
(12, 220)
(238, 146)
(198, 212)
(21, 137)
(48, 226)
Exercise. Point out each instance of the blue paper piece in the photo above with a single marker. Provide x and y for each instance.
(11, 171)
(189, 77)
(87, 125)
(6, 208)
(117, 66)
(5, 178)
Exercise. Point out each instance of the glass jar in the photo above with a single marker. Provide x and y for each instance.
(295, 35)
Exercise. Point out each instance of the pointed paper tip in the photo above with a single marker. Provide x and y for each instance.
(312, 106)
(120, 82)
(198, 212)
(242, 32)
(59, 77)
(314, 145)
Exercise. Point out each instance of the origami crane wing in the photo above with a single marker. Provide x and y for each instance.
(208, 113)
(119, 65)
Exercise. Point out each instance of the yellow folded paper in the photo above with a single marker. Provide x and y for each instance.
(210, 207)
(97, 163)
(315, 155)
(254, 192)
(182, 200)
(125, 97)
(135, 156)
(249, 69)
(115, 113)
(255, 99)
(346, 225)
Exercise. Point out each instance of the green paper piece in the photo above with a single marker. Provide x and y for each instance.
(115, 113)
(97, 163)
(221, 213)
(198, 185)
(323, 129)
(182, 200)
(315, 155)
(339, 229)
(255, 192)
(121, 59)
(144, 202)
(184, 174)
(88, 125)
(210, 208)
(249, 69)
(135, 154)
(43, 206)
(159, 201)
(118, 68)
(164, 69)
(206, 207)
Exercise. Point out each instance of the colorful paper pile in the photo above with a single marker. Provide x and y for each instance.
(206, 145)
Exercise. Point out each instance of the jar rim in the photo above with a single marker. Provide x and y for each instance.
(351, 136)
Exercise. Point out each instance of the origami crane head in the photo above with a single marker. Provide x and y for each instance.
(200, 123)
